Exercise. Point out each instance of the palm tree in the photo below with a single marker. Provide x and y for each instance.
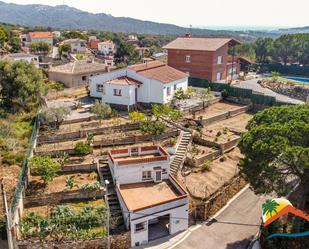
(269, 207)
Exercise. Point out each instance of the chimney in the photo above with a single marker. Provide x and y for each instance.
(188, 35)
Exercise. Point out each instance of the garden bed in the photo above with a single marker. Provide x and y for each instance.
(37, 187)
(198, 154)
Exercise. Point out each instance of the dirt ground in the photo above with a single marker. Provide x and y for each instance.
(77, 205)
(203, 184)
(64, 128)
(9, 176)
(202, 150)
(215, 109)
(237, 123)
(36, 185)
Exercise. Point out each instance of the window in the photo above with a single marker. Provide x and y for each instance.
(188, 58)
(140, 226)
(84, 78)
(175, 87)
(218, 76)
(219, 60)
(100, 88)
(146, 175)
(168, 91)
(117, 92)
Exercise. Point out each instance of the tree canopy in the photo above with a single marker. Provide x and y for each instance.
(21, 85)
(40, 47)
(276, 149)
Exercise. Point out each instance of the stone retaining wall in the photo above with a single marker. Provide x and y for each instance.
(54, 138)
(73, 168)
(121, 241)
(201, 159)
(56, 198)
(222, 116)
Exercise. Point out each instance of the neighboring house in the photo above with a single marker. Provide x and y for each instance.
(93, 45)
(77, 73)
(106, 48)
(56, 34)
(205, 58)
(141, 50)
(151, 82)
(92, 38)
(32, 37)
(77, 45)
(133, 39)
(22, 56)
(153, 203)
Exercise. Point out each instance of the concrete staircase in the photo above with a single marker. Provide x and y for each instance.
(116, 219)
(181, 151)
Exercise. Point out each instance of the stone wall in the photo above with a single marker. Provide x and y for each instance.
(121, 241)
(58, 197)
(201, 159)
(73, 168)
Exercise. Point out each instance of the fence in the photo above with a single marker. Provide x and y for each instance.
(24, 175)
(256, 99)
(286, 70)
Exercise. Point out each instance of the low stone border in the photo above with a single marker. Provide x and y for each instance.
(222, 116)
(55, 138)
(198, 160)
(72, 168)
(121, 241)
(58, 197)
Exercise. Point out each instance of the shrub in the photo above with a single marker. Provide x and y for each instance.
(222, 159)
(205, 166)
(91, 186)
(82, 149)
(53, 117)
(44, 166)
(101, 110)
(224, 94)
(219, 133)
(153, 127)
(137, 117)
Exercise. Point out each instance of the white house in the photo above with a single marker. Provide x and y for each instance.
(77, 45)
(32, 37)
(106, 48)
(31, 58)
(150, 82)
(153, 203)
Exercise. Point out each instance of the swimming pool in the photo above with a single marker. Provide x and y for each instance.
(303, 80)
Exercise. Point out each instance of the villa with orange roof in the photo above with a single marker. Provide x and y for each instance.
(146, 83)
(32, 37)
(152, 202)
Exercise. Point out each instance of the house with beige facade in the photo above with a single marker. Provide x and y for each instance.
(77, 73)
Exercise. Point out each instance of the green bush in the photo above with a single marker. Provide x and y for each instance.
(82, 149)
(44, 166)
(2, 228)
(224, 94)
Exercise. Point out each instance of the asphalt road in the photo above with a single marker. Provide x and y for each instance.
(234, 228)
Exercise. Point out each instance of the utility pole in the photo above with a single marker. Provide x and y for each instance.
(7, 218)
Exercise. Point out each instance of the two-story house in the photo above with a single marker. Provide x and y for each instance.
(33, 37)
(77, 45)
(146, 83)
(205, 58)
(153, 203)
(106, 48)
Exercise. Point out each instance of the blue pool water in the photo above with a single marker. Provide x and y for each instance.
(304, 80)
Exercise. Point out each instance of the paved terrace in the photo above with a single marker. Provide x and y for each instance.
(253, 85)
(143, 195)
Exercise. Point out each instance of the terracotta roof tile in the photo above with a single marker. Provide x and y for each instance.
(124, 81)
(200, 44)
(41, 34)
(159, 71)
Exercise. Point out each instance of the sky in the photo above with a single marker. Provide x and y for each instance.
(198, 13)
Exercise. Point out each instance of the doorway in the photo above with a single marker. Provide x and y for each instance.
(158, 227)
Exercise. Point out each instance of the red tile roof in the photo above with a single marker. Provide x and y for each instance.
(41, 34)
(93, 44)
(159, 71)
(124, 81)
(200, 44)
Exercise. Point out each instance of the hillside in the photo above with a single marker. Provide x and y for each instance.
(65, 17)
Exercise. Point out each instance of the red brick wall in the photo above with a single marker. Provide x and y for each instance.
(203, 63)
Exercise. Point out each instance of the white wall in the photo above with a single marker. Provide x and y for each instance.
(47, 40)
(132, 173)
(127, 94)
(77, 47)
(180, 84)
(178, 222)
